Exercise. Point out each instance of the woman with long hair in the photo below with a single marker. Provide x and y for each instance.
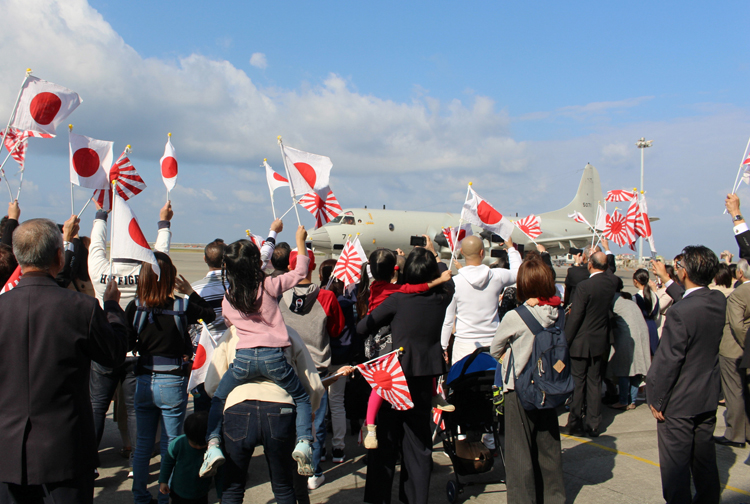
(648, 302)
(161, 341)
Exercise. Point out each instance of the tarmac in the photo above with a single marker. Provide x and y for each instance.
(620, 466)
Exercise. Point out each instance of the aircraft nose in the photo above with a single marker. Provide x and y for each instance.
(320, 238)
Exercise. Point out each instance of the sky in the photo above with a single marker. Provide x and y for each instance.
(410, 102)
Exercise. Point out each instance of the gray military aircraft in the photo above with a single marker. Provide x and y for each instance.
(393, 229)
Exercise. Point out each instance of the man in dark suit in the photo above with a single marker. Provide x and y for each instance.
(49, 336)
(576, 274)
(587, 332)
(687, 361)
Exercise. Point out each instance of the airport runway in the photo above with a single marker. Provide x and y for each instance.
(621, 466)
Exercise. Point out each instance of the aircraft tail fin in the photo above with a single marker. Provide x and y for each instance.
(587, 198)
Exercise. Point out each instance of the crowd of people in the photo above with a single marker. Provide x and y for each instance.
(81, 330)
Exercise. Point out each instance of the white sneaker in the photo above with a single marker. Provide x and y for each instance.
(314, 482)
(130, 475)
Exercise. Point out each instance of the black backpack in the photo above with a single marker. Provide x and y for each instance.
(545, 382)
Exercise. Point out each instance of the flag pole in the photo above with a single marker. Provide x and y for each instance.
(737, 179)
(596, 219)
(112, 229)
(72, 208)
(273, 208)
(84, 207)
(5, 133)
(460, 223)
(284, 214)
(291, 185)
(2, 170)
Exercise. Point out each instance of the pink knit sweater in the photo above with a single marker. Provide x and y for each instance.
(266, 327)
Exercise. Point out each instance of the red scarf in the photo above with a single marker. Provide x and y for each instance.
(553, 301)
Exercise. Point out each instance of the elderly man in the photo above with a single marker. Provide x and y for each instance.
(51, 335)
(587, 332)
(475, 302)
(683, 382)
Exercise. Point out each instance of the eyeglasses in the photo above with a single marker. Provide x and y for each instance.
(678, 264)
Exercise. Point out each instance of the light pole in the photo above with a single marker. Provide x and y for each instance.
(642, 144)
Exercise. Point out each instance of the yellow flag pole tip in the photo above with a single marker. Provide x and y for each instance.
(128, 146)
(169, 135)
(70, 127)
(278, 137)
(400, 349)
(200, 320)
(265, 159)
(471, 183)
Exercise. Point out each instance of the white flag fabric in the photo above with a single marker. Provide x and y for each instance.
(168, 164)
(308, 172)
(601, 219)
(274, 179)
(202, 359)
(643, 224)
(43, 106)
(128, 241)
(480, 213)
(88, 158)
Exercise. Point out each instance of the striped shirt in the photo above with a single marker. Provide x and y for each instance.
(210, 289)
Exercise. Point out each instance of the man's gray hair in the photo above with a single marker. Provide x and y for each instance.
(35, 243)
(744, 267)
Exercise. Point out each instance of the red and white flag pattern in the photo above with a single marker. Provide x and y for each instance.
(578, 217)
(455, 240)
(386, 377)
(128, 241)
(202, 359)
(129, 183)
(16, 141)
(437, 413)
(43, 106)
(12, 281)
(619, 195)
(274, 179)
(348, 268)
(88, 159)
(531, 226)
(617, 230)
(746, 164)
(643, 224)
(168, 163)
(480, 213)
(308, 172)
(322, 210)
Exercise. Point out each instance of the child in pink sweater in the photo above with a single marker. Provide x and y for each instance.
(250, 304)
(384, 270)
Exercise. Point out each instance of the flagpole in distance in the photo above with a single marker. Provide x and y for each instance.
(291, 185)
(112, 229)
(460, 223)
(169, 139)
(72, 207)
(5, 133)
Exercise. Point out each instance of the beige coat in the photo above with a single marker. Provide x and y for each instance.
(737, 324)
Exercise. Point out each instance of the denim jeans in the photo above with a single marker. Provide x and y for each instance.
(252, 423)
(251, 363)
(336, 405)
(158, 398)
(103, 382)
(320, 433)
(628, 385)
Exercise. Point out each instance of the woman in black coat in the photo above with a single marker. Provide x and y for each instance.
(416, 322)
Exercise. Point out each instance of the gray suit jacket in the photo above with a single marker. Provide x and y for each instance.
(737, 324)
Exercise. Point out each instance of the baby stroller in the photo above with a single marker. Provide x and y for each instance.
(469, 386)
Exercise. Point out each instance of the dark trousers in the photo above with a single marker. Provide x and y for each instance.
(73, 491)
(532, 441)
(588, 380)
(686, 447)
(250, 424)
(176, 499)
(406, 432)
(103, 382)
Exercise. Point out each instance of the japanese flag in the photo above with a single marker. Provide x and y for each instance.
(88, 158)
(348, 268)
(203, 355)
(452, 239)
(643, 224)
(169, 166)
(128, 241)
(620, 195)
(531, 226)
(308, 172)
(43, 106)
(274, 179)
(601, 218)
(386, 377)
(323, 209)
(480, 213)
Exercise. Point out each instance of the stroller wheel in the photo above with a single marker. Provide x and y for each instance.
(451, 491)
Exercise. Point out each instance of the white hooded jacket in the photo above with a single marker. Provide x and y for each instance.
(475, 302)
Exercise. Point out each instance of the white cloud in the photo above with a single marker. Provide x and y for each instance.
(258, 60)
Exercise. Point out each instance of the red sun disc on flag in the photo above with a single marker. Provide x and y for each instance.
(200, 357)
(615, 227)
(136, 234)
(169, 167)
(85, 161)
(44, 107)
(307, 172)
(383, 379)
(278, 177)
(488, 214)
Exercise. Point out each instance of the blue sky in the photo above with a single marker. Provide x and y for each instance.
(410, 102)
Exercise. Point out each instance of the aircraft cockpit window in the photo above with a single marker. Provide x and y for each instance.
(336, 219)
(348, 220)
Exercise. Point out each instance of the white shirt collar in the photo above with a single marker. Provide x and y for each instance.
(596, 272)
(690, 291)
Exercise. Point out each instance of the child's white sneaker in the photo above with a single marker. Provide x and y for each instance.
(212, 459)
(303, 455)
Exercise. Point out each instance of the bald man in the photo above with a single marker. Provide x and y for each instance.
(475, 303)
(587, 332)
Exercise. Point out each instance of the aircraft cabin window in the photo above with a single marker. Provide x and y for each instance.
(349, 220)
(390, 227)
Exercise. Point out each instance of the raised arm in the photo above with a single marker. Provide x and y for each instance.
(164, 235)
